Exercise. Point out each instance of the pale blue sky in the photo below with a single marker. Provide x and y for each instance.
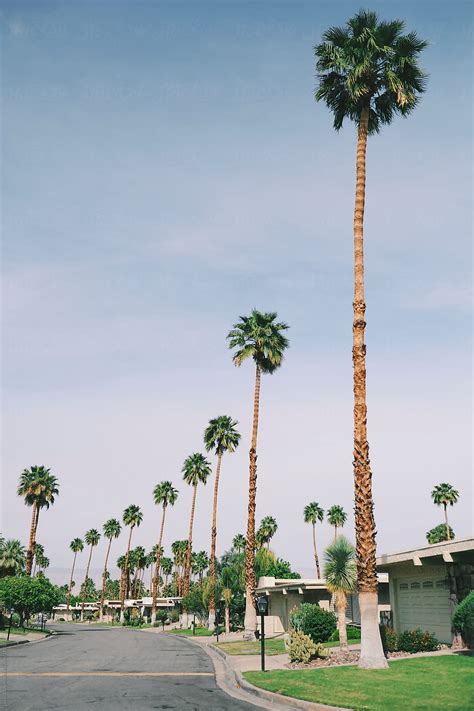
(165, 169)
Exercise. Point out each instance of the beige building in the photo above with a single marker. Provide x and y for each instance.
(285, 595)
(427, 583)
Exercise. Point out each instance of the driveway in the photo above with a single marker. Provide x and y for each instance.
(110, 668)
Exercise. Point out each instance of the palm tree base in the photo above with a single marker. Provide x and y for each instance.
(212, 620)
(371, 652)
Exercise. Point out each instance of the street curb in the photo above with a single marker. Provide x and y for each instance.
(26, 641)
(276, 701)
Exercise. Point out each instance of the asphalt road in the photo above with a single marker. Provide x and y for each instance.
(108, 669)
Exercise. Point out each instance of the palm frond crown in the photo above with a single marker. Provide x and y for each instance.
(260, 337)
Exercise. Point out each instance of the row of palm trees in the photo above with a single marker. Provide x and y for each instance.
(314, 513)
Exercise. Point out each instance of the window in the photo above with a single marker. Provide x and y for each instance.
(428, 584)
(403, 586)
(415, 586)
(441, 584)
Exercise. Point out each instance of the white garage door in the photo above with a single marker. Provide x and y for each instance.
(424, 603)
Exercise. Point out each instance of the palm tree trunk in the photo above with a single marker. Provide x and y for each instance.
(316, 559)
(31, 542)
(250, 621)
(372, 655)
(104, 581)
(335, 534)
(70, 581)
(85, 585)
(341, 603)
(212, 562)
(157, 567)
(227, 620)
(187, 569)
(125, 578)
(446, 520)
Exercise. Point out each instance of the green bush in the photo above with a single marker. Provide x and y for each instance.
(311, 619)
(391, 639)
(173, 615)
(463, 619)
(133, 622)
(352, 633)
(301, 648)
(417, 641)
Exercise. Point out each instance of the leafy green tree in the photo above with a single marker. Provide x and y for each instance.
(340, 573)
(164, 495)
(196, 469)
(193, 601)
(92, 539)
(220, 436)
(260, 337)
(28, 596)
(77, 546)
(111, 529)
(12, 557)
(38, 487)
(132, 516)
(336, 517)
(444, 495)
(312, 514)
(440, 533)
(368, 73)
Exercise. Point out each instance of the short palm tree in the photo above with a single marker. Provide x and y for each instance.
(42, 563)
(112, 529)
(164, 495)
(439, 534)
(12, 558)
(260, 337)
(38, 551)
(336, 517)
(77, 546)
(132, 516)
(442, 495)
(196, 469)
(220, 436)
(368, 73)
(92, 539)
(340, 573)
(38, 487)
(199, 563)
(239, 542)
(312, 514)
(227, 597)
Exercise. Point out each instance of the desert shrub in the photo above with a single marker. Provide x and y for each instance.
(311, 619)
(133, 622)
(352, 633)
(417, 641)
(301, 648)
(173, 615)
(463, 619)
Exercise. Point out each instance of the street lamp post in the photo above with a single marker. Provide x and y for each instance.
(10, 624)
(262, 606)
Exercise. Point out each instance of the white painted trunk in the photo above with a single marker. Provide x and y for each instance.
(153, 617)
(250, 620)
(371, 651)
(212, 620)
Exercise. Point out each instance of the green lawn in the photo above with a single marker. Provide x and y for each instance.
(272, 646)
(24, 630)
(435, 683)
(200, 632)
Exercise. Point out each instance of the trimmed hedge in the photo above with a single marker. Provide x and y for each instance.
(463, 619)
(311, 619)
(352, 633)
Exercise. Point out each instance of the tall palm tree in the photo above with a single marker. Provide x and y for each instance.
(38, 487)
(260, 337)
(312, 514)
(180, 554)
(442, 495)
(368, 73)
(239, 542)
(77, 546)
(43, 563)
(196, 469)
(12, 558)
(164, 495)
(166, 568)
(112, 529)
(336, 517)
(220, 436)
(340, 573)
(199, 563)
(132, 516)
(267, 529)
(92, 539)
